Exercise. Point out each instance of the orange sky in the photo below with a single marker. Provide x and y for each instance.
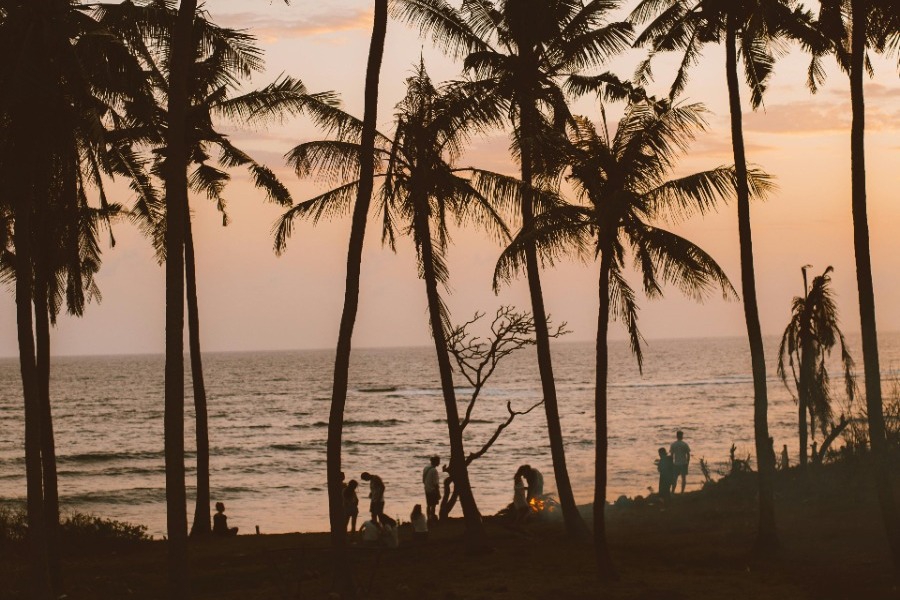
(252, 300)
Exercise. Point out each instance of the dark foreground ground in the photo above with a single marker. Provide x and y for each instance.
(699, 546)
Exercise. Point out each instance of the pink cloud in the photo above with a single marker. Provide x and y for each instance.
(313, 25)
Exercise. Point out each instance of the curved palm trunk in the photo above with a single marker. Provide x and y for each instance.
(874, 407)
(343, 576)
(48, 447)
(575, 525)
(201, 525)
(767, 537)
(176, 203)
(37, 542)
(459, 470)
(605, 565)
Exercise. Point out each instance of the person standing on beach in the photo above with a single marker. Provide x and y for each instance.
(431, 479)
(666, 470)
(376, 496)
(351, 504)
(681, 456)
(785, 461)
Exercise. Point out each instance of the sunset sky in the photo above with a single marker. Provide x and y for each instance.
(252, 300)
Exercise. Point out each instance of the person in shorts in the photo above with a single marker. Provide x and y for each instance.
(681, 457)
(431, 479)
(376, 496)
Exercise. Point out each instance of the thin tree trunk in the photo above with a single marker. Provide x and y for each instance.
(804, 403)
(575, 525)
(605, 566)
(48, 447)
(202, 517)
(39, 573)
(182, 57)
(767, 537)
(459, 470)
(343, 575)
(874, 407)
(804, 435)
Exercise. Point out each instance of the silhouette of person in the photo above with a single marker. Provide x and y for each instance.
(431, 479)
(534, 479)
(419, 524)
(785, 461)
(681, 456)
(666, 468)
(371, 533)
(390, 533)
(520, 502)
(351, 504)
(220, 522)
(376, 496)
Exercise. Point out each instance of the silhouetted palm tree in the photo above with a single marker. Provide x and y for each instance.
(623, 183)
(420, 188)
(749, 29)
(224, 58)
(343, 574)
(850, 29)
(518, 52)
(807, 341)
(60, 77)
(182, 55)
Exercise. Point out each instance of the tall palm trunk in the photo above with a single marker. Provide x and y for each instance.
(459, 470)
(343, 576)
(864, 283)
(37, 542)
(48, 446)
(804, 404)
(201, 525)
(767, 537)
(182, 57)
(601, 448)
(575, 526)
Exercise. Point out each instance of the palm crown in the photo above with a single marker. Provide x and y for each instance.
(625, 185)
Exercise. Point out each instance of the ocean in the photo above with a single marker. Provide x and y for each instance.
(269, 411)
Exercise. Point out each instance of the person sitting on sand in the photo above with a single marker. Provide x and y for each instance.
(390, 533)
(666, 470)
(376, 496)
(351, 504)
(520, 502)
(681, 456)
(220, 522)
(420, 525)
(431, 479)
(371, 533)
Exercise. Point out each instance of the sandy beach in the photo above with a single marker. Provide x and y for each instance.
(700, 546)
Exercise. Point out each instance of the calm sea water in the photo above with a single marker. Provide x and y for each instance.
(268, 415)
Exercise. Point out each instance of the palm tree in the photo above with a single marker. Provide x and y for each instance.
(343, 574)
(62, 75)
(850, 28)
(181, 57)
(623, 184)
(808, 339)
(420, 188)
(756, 26)
(224, 58)
(518, 52)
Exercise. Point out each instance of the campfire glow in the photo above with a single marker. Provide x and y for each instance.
(537, 505)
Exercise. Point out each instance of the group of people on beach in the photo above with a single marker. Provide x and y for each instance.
(672, 465)
(379, 528)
